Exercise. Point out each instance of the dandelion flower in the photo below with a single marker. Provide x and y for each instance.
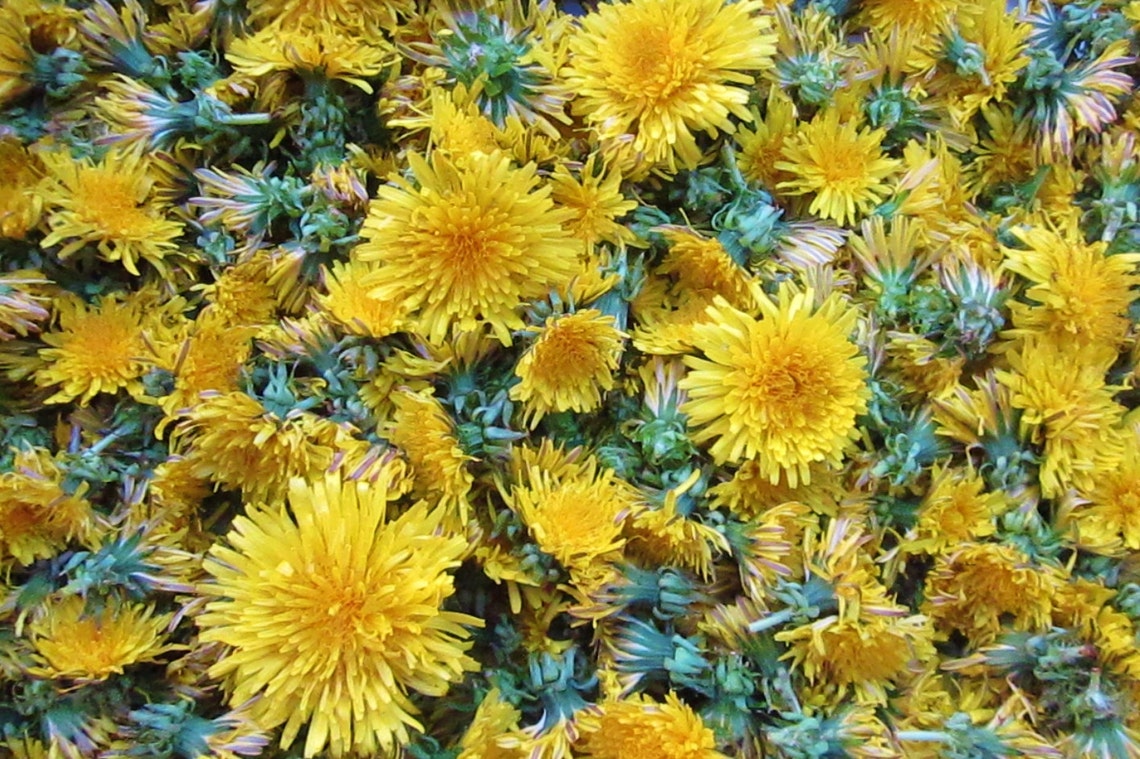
(784, 390)
(569, 366)
(111, 203)
(422, 429)
(332, 615)
(311, 48)
(863, 655)
(23, 301)
(368, 17)
(954, 510)
(660, 70)
(980, 586)
(95, 349)
(237, 443)
(38, 518)
(841, 166)
(74, 642)
(1109, 513)
(1068, 409)
(210, 358)
(347, 301)
(20, 204)
(1079, 295)
(576, 516)
(638, 727)
(469, 245)
(597, 202)
(495, 717)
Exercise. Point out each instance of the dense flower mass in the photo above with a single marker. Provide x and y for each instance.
(529, 379)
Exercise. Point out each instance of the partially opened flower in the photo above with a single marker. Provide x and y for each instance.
(659, 71)
(333, 615)
(469, 245)
(785, 389)
(569, 366)
(347, 301)
(20, 205)
(74, 641)
(38, 518)
(639, 727)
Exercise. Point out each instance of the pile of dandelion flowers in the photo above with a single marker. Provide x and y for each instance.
(569, 366)
(111, 203)
(470, 245)
(660, 69)
(333, 615)
(785, 389)
(841, 166)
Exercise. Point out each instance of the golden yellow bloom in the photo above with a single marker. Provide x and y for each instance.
(785, 389)
(863, 655)
(569, 366)
(111, 203)
(1079, 295)
(1067, 409)
(244, 294)
(638, 727)
(1108, 515)
(422, 429)
(954, 510)
(700, 267)
(469, 246)
(37, 516)
(99, 348)
(311, 47)
(762, 146)
(842, 166)
(664, 536)
(576, 516)
(16, 54)
(333, 615)
(750, 494)
(656, 71)
(349, 303)
(74, 642)
(596, 200)
(928, 17)
(20, 204)
(978, 587)
(367, 17)
(494, 718)
(210, 358)
(237, 443)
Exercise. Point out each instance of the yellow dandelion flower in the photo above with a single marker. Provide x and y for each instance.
(861, 656)
(1108, 515)
(664, 536)
(979, 587)
(237, 443)
(332, 615)
(72, 641)
(38, 518)
(660, 70)
(348, 302)
(243, 294)
(841, 166)
(638, 727)
(927, 17)
(1004, 152)
(99, 348)
(211, 358)
(700, 267)
(577, 518)
(17, 56)
(422, 429)
(111, 203)
(469, 245)
(984, 53)
(569, 366)
(311, 48)
(596, 200)
(20, 203)
(954, 510)
(751, 493)
(1067, 409)
(493, 719)
(368, 17)
(1079, 295)
(784, 390)
(23, 301)
(762, 146)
